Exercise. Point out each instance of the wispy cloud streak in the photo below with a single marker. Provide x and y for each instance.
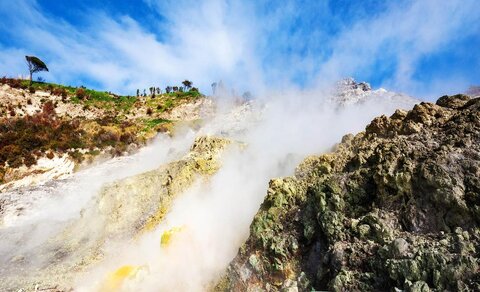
(253, 46)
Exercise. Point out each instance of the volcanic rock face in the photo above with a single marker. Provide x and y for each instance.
(396, 206)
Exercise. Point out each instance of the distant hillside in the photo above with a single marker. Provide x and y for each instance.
(59, 123)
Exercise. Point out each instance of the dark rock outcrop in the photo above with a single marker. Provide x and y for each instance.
(394, 208)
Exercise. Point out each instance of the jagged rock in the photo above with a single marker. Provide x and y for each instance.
(348, 91)
(396, 207)
(399, 248)
(454, 102)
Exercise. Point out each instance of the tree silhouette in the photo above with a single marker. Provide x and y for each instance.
(35, 65)
(187, 84)
(214, 87)
(247, 96)
(168, 89)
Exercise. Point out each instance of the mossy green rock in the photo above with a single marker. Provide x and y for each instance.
(394, 208)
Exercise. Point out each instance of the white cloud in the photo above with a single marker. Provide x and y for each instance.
(232, 40)
(406, 33)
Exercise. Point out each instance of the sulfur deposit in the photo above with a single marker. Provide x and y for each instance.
(122, 211)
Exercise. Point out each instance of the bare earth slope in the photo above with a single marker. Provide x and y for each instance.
(48, 130)
(394, 207)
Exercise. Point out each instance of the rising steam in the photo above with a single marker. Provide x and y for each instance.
(208, 223)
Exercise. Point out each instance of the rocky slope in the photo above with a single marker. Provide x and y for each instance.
(348, 92)
(120, 213)
(394, 208)
(72, 126)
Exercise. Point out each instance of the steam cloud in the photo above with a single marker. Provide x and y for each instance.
(214, 215)
(280, 128)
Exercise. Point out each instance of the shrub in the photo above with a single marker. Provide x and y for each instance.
(118, 150)
(126, 124)
(29, 101)
(48, 108)
(77, 156)
(9, 151)
(168, 103)
(50, 155)
(15, 161)
(21, 139)
(106, 120)
(15, 83)
(162, 128)
(149, 111)
(106, 138)
(58, 91)
(29, 160)
(31, 89)
(80, 93)
(127, 138)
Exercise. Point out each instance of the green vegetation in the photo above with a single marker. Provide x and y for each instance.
(109, 121)
(155, 124)
(103, 100)
(23, 140)
(106, 100)
(185, 94)
(80, 95)
(42, 86)
(167, 101)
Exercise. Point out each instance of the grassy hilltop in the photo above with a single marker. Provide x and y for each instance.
(48, 120)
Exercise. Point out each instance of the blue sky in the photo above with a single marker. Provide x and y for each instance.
(423, 48)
